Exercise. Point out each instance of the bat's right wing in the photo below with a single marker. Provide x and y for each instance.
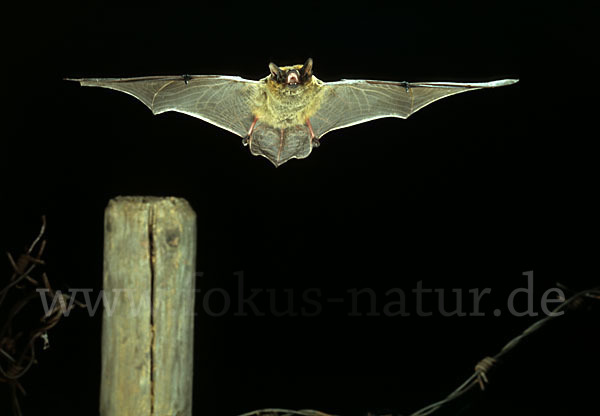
(349, 102)
(224, 101)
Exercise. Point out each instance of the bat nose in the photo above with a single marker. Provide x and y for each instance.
(292, 78)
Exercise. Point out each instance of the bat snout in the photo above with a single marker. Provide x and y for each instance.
(293, 78)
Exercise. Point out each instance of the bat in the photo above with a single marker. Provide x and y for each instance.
(284, 115)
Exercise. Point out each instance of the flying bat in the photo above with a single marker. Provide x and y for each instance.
(284, 115)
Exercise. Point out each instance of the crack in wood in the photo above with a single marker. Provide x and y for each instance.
(152, 259)
(150, 245)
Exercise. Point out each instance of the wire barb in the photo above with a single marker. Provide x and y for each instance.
(482, 368)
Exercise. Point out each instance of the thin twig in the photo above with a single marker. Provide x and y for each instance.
(40, 234)
(5, 290)
(17, 350)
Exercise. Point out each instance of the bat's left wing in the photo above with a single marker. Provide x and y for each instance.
(349, 102)
(224, 101)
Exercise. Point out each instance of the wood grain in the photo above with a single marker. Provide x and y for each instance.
(148, 318)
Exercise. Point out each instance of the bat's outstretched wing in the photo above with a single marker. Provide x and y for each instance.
(223, 101)
(349, 102)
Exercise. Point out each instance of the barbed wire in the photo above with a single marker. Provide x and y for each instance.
(14, 364)
(480, 375)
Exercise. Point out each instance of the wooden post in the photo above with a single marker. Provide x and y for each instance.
(148, 318)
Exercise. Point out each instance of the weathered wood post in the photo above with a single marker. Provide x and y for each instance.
(148, 318)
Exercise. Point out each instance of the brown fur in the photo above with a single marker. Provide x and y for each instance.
(282, 106)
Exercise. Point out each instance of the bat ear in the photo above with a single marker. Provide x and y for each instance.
(275, 71)
(306, 71)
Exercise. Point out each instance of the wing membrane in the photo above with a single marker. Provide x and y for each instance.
(280, 145)
(349, 102)
(220, 100)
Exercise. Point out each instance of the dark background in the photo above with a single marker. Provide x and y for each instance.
(467, 193)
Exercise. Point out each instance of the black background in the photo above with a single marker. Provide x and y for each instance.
(467, 193)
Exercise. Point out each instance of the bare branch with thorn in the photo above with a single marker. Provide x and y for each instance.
(17, 344)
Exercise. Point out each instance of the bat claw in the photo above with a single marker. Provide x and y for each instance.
(186, 78)
(313, 139)
(406, 85)
(246, 140)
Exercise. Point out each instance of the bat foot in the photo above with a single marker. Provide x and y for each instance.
(246, 139)
(313, 139)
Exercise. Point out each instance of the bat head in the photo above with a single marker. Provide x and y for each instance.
(291, 76)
